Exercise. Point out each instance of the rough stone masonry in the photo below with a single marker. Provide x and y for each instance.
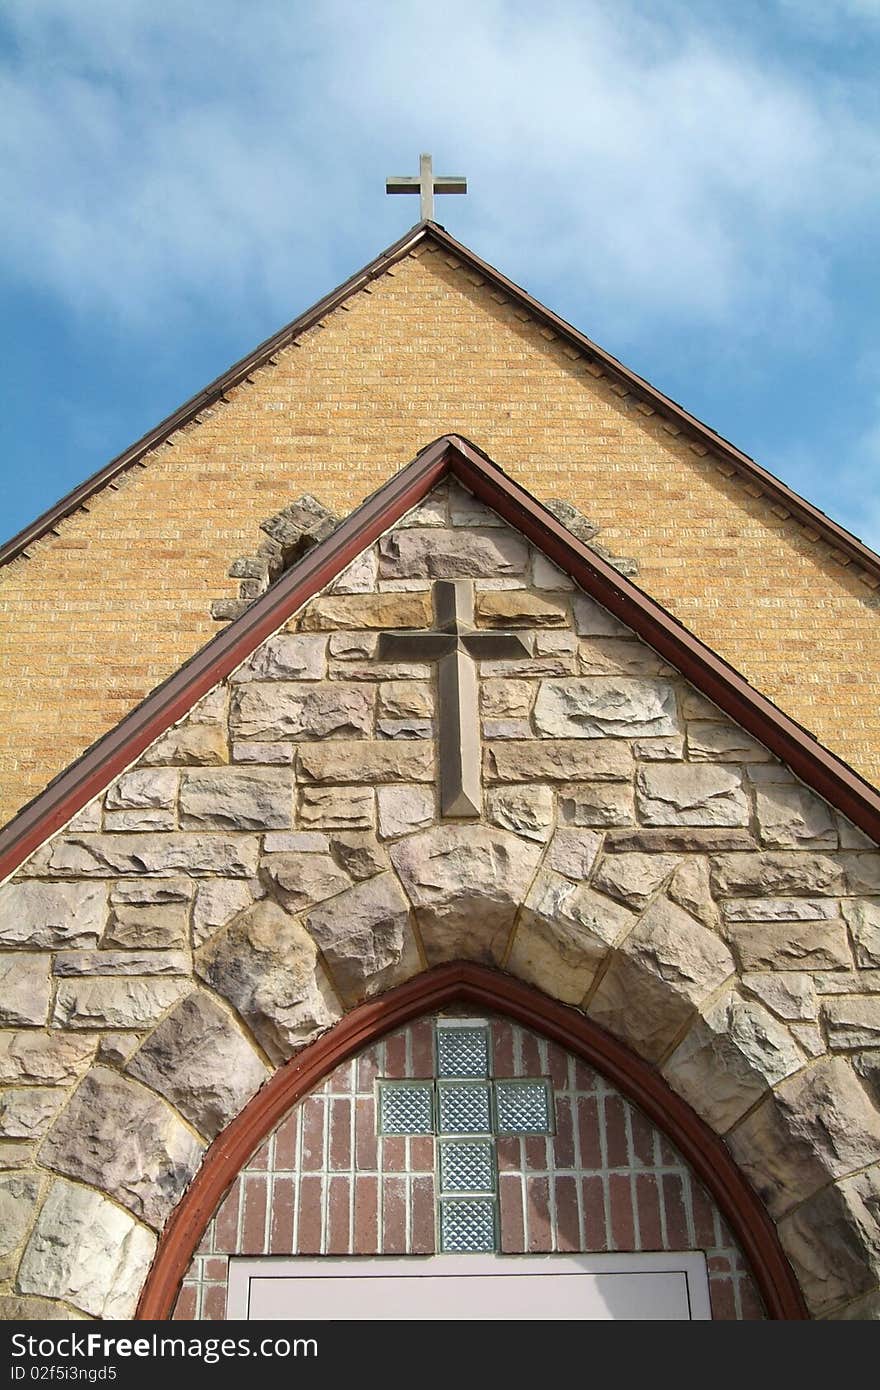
(278, 856)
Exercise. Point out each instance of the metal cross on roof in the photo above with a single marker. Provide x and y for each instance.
(455, 645)
(427, 184)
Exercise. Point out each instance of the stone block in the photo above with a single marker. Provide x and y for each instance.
(564, 935)
(237, 799)
(267, 754)
(790, 994)
(711, 742)
(405, 728)
(337, 808)
(216, 902)
(527, 810)
(115, 1002)
(678, 840)
(546, 575)
(776, 872)
(659, 975)
(365, 763)
(729, 1057)
(863, 919)
(815, 1127)
(18, 1198)
(466, 883)
(44, 1059)
(792, 817)
(77, 963)
(24, 988)
(265, 965)
(121, 1138)
(296, 710)
(852, 1021)
(685, 794)
(146, 787)
(668, 749)
(440, 553)
(359, 853)
(790, 945)
(626, 656)
(633, 879)
(573, 852)
(149, 913)
(406, 699)
(285, 656)
(353, 646)
(557, 760)
(52, 914)
(366, 939)
(356, 611)
(189, 745)
(106, 856)
(520, 608)
(690, 888)
(833, 1242)
(88, 1252)
(360, 576)
(592, 620)
(503, 699)
(147, 819)
(780, 909)
(605, 706)
(302, 880)
(596, 803)
(404, 809)
(201, 1063)
(26, 1112)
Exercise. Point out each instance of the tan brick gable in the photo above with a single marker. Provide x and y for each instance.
(97, 615)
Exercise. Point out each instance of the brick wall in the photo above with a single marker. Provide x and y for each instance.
(324, 1183)
(125, 587)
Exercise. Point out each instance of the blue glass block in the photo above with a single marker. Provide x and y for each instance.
(522, 1107)
(462, 1052)
(467, 1224)
(464, 1107)
(406, 1107)
(467, 1165)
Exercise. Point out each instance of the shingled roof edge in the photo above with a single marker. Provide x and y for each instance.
(820, 769)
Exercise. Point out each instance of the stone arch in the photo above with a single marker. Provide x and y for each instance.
(477, 986)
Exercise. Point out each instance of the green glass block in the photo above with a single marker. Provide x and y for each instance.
(464, 1107)
(467, 1165)
(406, 1107)
(522, 1107)
(467, 1225)
(462, 1052)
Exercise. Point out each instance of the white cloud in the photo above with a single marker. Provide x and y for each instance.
(160, 160)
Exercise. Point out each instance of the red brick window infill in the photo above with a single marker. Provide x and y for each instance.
(328, 1182)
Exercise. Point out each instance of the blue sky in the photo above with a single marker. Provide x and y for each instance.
(695, 185)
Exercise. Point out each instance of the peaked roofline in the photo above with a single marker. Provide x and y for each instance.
(450, 455)
(846, 547)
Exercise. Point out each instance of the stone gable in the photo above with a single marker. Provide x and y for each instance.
(278, 856)
(125, 586)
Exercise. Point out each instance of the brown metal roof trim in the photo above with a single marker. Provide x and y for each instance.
(117, 749)
(846, 547)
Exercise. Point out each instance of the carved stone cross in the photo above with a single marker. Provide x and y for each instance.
(455, 645)
(426, 185)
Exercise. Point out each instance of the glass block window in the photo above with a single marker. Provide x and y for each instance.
(406, 1107)
(522, 1107)
(467, 1225)
(467, 1166)
(464, 1108)
(462, 1051)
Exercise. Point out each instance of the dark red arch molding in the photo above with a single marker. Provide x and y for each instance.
(464, 982)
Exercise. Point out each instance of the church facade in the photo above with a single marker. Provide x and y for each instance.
(475, 898)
